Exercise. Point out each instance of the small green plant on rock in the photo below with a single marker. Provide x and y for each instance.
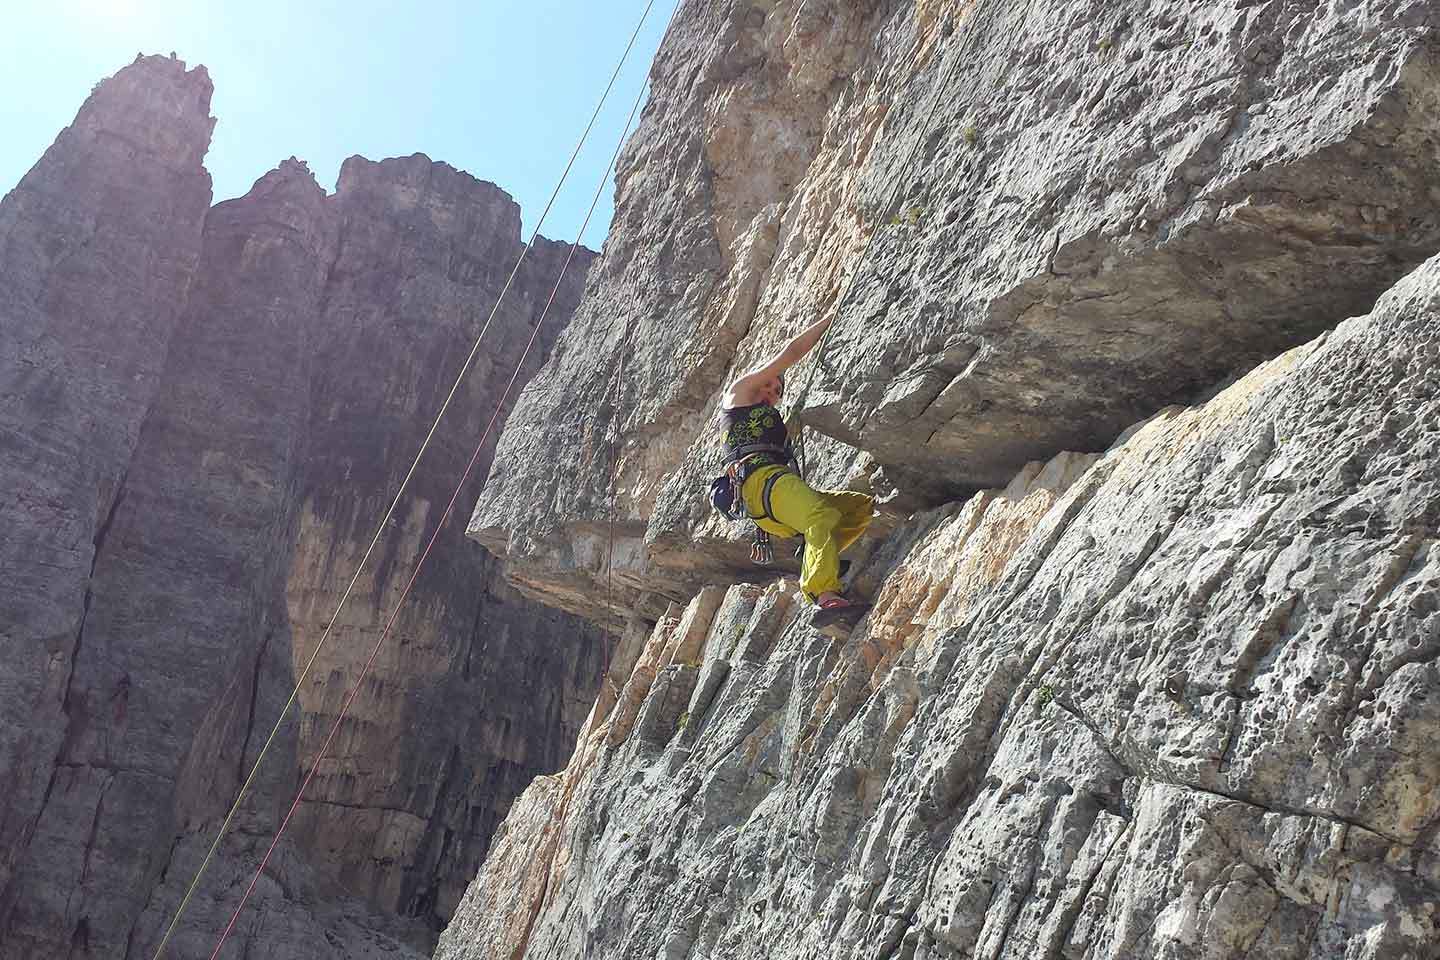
(1044, 696)
(971, 133)
(908, 217)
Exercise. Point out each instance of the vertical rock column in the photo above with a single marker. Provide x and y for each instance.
(98, 245)
(475, 691)
(184, 645)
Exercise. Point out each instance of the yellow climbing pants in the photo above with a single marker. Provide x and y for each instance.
(830, 520)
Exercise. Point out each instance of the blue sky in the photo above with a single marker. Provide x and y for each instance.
(499, 88)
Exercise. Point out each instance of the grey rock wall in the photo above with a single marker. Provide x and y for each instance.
(202, 416)
(99, 244)
(181, 660)
(1120, 205)
(185, 665)
(733, 121)
(1179, 699)
(476, 690)
(1113, 207)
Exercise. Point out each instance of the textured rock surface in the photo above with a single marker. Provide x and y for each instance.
(198, 425)
(733, 120)
(1176, 700)
(183, 647)
(477, 690)
(1117, 206)
(185, 651)
(98, 245)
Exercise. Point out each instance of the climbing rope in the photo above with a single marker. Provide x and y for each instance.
(930, 112)
(404, 485)
(440, 525)
(610, 642)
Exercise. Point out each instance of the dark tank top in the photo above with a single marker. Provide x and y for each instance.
(752, 424)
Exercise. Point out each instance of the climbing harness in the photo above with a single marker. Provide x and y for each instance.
(727, 491)
(369, 663)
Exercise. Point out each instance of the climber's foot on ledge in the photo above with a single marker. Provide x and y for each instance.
(837, 616)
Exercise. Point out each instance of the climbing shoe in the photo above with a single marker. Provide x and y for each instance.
(837, 617)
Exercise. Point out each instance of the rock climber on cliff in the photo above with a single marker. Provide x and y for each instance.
(778, 499)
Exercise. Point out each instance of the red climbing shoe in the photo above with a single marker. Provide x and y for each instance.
(837, 616)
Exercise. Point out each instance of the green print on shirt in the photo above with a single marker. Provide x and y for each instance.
(752, 427)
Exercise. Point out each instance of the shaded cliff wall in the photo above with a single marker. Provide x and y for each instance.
(476, 690)
(1116, 206)
(201, 421)
(183, 657)
(1179, 699)
(99, 243)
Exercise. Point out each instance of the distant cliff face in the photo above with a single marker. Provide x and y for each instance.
(205, 413)
(477, 690)
(1114, 207)
(1179, 700)
(99, 245)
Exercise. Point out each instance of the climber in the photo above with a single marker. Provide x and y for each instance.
(776, 497)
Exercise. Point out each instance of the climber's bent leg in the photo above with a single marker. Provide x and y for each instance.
(830, 520)
(813, 514)
(856, 509)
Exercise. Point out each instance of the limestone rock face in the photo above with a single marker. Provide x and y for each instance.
(98, 246)
(1110, 207)
(204, 417)
(1178, 699)
(185, 651)
(476, 690)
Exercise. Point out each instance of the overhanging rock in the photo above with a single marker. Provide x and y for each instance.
(1114, 207)
(1119, 205)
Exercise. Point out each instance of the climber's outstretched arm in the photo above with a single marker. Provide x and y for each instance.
(749, 388)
